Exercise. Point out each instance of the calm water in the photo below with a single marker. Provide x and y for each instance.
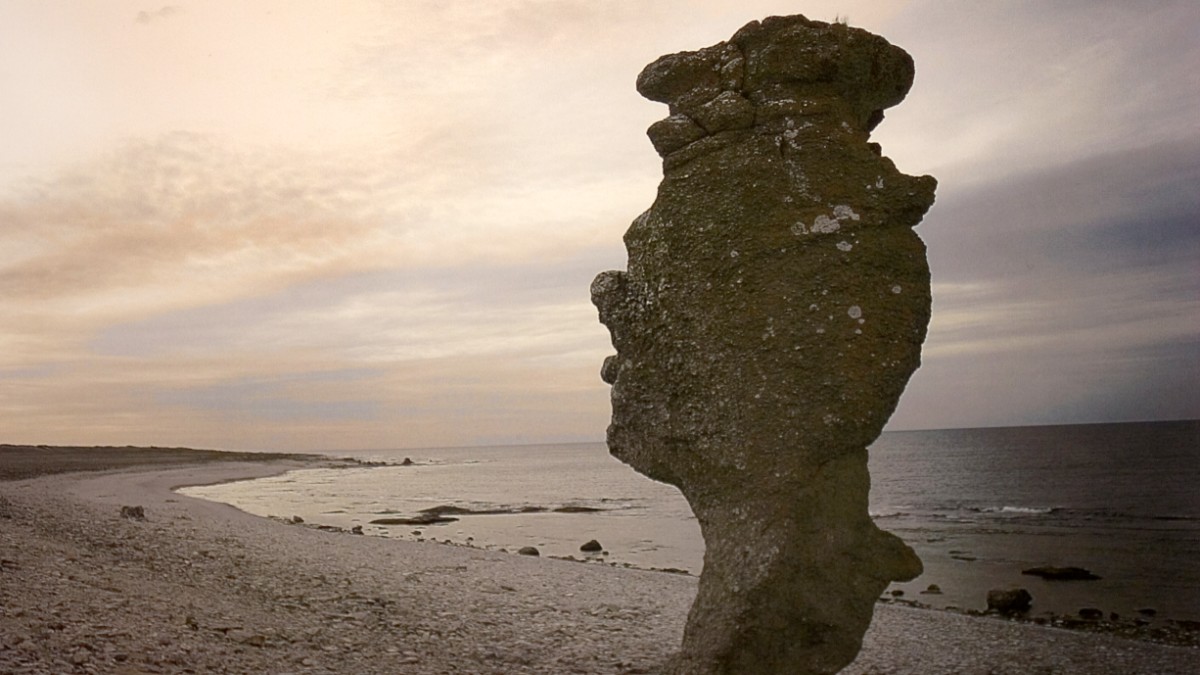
(978, 505)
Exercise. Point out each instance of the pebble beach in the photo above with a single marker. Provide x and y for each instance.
(201, 587)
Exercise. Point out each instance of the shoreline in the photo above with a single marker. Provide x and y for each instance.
(203, 585)
(1173, 632)
(1133, 606)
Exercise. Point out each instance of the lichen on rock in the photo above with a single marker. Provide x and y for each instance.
(761, 338)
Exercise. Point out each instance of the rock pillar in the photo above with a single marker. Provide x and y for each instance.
(773, 310)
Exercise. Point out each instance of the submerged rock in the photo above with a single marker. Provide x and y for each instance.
(1061, 573)
(423, 519)
(773, 310)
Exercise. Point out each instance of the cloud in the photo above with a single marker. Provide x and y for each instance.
(1067, 293)
(180, 286)
(1010, 85)
(164, 12)
(375, 224)
(174, 223)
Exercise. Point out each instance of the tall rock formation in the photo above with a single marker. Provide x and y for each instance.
(772, 313)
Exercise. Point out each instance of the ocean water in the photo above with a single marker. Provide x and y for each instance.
(978, 506)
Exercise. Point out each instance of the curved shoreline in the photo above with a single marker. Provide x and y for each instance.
(205, 586)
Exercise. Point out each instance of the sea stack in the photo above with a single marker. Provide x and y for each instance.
(773, 310)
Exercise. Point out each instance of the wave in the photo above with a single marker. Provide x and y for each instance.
(1018, 510)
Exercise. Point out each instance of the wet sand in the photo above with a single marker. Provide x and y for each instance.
(202, 587)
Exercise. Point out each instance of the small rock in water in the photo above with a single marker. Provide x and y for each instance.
(529, 550)
(407, 462)
(1009, 602)
(576, 509)
(592, 546)
(297, 520)
(1147, 611)
(933, 589)
(357, 529)
(1091, 614)
(1061, 573)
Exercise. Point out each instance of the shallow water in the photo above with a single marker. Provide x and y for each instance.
(978, 505)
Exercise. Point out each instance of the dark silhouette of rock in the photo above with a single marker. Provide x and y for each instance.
(773, 310)
(592, 546)
(1061, 573)
(1091, 614)
(422, 519)
(1009, 602)
(133, 512)
(407, 462)
(529, 550)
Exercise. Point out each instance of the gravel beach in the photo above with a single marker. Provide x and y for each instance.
(201, 587)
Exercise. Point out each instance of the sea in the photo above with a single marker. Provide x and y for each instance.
(979, 506)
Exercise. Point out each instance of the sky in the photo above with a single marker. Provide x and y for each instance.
(358, 225)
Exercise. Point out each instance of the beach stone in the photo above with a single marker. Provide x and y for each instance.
(772, 312)
(529, 550)
(133, 512)
(591, 546)
(1009, 601)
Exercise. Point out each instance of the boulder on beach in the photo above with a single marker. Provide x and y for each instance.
(133, 512)
(1009, 602)
(529, 550)
(592, 546)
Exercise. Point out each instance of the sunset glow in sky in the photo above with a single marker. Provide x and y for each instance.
(310, 225)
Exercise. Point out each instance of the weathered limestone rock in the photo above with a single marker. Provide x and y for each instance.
(772, 313)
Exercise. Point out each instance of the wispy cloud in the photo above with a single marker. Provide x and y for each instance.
(164, 12)
(375, 224)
